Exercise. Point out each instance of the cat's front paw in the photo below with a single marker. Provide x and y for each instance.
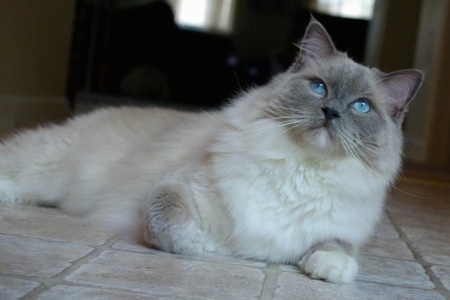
(332, 266)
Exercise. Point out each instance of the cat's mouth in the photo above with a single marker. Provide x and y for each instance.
(324, 135)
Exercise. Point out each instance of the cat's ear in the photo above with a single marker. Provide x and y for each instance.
(316, 45)
(401, 87)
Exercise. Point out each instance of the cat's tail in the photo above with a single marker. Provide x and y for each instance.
(30, 169)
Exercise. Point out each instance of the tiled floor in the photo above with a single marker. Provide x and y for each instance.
(47, 255)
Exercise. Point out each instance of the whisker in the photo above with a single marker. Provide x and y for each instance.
(351, 145)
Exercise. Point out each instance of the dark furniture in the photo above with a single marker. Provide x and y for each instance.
(108, 43)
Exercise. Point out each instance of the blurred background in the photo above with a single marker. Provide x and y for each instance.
(58, 57)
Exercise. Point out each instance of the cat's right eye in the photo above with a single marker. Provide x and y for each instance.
(319, 87)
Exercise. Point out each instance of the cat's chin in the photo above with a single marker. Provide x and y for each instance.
(321, 138)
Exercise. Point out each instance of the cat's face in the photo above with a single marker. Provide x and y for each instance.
(336, 105)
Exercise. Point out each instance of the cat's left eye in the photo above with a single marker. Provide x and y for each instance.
(362, 105)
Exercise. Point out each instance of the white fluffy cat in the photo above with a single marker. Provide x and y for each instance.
(295, 171)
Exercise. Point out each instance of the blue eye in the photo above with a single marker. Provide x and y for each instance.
(319, 87)
(361, 105)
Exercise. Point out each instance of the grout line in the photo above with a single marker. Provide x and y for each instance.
(48, 283)
(59, 279)
(269, 285)
(206, 257)
(414, 260)
(439, 286)
(271, 271)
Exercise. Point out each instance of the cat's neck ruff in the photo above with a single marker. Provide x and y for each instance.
(274, 187)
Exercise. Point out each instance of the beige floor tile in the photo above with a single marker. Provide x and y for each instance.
(67, 292)
(35, 257)
(291, 286)
(392, 248)
(425, 202)
(37, 244)
(393, 272)
(34, 222)
(14, 288)
(385, 230)
(169, 275)
(443, 273)
(131, 245)
(432, 245)
(436, 221)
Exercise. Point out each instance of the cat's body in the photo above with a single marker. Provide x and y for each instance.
(281, 175)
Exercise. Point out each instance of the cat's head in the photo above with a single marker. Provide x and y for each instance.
(335, 105)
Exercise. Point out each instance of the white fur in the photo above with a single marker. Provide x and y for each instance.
(236, 182)
(282, 199)
(257, 192)
(332, 266)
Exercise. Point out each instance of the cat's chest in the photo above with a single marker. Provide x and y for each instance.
(291, 206)
(287, 194)
(291, 185)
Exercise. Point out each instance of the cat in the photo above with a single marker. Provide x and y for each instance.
(295, 171)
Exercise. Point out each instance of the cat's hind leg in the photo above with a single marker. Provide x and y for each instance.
(170, 222)
(331, 261)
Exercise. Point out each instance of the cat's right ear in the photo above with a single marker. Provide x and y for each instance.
(316, 45)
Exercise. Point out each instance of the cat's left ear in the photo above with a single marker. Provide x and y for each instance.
(401, 87)
(316, 45)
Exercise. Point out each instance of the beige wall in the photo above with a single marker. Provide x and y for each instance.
(428, 58)
(35, 40)
(402, 23)
(438, 131)
(415, 33)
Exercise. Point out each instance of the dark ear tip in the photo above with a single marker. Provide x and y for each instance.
(419, 75)
(314, 22)
(315, 45)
